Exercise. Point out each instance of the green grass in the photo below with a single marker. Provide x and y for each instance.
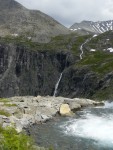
(10, 105)
(99, 62)
(104, 94)
(11, 140)
(58, 43)
(5, 113)
(4, 100)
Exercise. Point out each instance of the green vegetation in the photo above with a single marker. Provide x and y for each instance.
(77, 43)
(5, 113)
(10, 105)
(104, 94)
(11, 140)
(4, 100)
(99, 62)
(59, 43)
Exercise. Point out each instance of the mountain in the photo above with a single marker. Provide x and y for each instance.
(30, 68)
(95, 27)
(82, 65)
(17, 20)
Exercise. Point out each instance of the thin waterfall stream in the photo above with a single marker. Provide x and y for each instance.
(57, 85)
(81, 47)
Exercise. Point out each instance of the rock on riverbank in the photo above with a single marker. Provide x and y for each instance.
(28, 110)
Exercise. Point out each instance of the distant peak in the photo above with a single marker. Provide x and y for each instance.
(9, 4)
(94, 27)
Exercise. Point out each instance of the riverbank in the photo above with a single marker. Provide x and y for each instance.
(91, 128)
(22, 112)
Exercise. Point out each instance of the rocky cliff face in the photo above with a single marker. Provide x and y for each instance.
(27, 68)
(27, 72)
(82, 82)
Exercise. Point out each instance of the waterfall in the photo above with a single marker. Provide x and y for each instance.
(57, 85)
(81, 47)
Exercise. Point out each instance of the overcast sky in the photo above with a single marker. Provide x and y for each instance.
(68, 12)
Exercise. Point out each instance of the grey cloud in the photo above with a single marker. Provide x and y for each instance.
(68, 12)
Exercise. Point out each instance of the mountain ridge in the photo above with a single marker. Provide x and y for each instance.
(94, 27)
(16, 20)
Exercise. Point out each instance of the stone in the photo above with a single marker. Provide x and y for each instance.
(65, 110)
(44, 117)
(73, 105)
(40, 109)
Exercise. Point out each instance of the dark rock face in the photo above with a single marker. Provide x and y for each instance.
(82, 82)
(26, 72)
(79, 82)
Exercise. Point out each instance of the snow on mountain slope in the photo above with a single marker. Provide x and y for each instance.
(95, 27)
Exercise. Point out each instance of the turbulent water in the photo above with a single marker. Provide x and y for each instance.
(90, 129)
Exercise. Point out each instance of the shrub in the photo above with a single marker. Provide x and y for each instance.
(11, 140)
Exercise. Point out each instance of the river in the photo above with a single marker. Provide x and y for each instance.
(89, 129)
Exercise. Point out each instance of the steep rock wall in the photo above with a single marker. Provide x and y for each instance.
(24, 71)
(27, 72)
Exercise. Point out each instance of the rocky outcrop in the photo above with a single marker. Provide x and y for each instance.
(82, 82)
(28, 110)
(78, 82)
(24, 71)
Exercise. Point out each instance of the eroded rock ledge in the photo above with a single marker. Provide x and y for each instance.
(28, 110)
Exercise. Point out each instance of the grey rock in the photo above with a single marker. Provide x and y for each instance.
(41, 109)
(21, 64)
(73, 104)
(45, 118)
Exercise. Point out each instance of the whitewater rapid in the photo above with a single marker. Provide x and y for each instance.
(94, 126)
(90, 129)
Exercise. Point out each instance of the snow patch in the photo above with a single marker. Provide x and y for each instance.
(95, 35)
(110, 49)
(15, 34)
(92, 50)
(29, 38)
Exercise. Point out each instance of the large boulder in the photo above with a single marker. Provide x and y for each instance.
(65, 110)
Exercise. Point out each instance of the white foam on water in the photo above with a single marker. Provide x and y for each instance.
(108, 104)
(90, 126)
